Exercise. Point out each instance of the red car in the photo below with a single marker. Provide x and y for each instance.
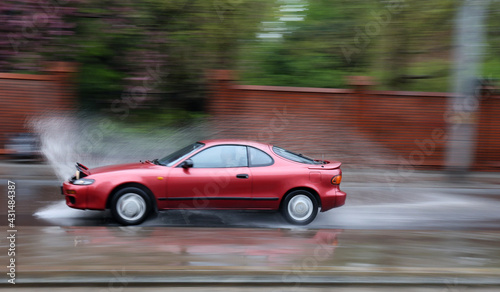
(212, 174)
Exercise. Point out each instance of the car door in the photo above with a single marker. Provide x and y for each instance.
(218, 178)
(267, 180)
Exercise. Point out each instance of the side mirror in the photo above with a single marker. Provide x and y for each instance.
(187, 164)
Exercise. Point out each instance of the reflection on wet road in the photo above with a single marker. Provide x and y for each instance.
(182, 247)
(235, 255)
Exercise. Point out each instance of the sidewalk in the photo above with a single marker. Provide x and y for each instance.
(38, 171)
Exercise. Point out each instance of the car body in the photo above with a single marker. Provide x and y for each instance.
(211, 174)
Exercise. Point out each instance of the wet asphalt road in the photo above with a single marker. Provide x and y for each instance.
(369, 206)
(451, 231)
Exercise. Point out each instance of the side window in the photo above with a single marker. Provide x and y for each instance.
(258, 157)
(221, 156)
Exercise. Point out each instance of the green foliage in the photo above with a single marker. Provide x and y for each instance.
(313, 53)
(491, 65)
(404, 45)
(119, 44)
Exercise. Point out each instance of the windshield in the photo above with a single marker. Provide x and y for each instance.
(173, 158)
(294, 156)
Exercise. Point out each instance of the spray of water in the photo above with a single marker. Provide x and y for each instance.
(57, 137)
(59, 210)
(97, 141)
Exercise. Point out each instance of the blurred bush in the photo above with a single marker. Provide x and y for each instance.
(404, 44)
(157, 49)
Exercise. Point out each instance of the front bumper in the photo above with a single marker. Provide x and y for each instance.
(76, 195)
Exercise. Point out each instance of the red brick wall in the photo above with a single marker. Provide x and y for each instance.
(361, 128)
(404, 122)
(23, 96)
(488, 138)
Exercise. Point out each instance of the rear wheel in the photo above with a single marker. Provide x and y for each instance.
(300, 207)
(130, 206)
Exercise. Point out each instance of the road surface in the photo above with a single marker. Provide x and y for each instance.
(411, 232)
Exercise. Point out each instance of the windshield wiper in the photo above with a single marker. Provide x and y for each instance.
(157, 162)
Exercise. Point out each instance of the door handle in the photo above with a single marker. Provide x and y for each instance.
(242, 175)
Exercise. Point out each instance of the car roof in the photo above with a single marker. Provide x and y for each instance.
(212, 142)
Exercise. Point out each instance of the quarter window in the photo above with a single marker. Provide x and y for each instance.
(258, 157)
(221, 156)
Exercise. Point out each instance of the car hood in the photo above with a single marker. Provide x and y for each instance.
(120, 167)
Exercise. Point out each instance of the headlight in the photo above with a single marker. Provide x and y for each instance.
(83, 181)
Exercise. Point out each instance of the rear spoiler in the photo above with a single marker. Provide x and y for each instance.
(328, 165)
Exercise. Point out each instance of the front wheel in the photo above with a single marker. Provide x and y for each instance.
(300, 207)
(130, 206)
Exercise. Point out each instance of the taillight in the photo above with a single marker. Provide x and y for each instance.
(337, 179)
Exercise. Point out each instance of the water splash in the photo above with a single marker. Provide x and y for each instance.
(97, 141)
(58, 140)
(57, 213)
(59, 210)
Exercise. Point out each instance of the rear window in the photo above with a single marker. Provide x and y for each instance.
(294, 156)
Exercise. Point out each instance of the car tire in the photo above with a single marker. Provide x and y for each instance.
(131, 206)
(299, 207)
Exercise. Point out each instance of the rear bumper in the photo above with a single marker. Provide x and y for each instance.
(333, 199)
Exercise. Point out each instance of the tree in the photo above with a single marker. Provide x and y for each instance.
(117, 44)
(403, 44)
(317, 51)
(31, 32)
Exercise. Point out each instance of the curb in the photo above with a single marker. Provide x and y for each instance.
(262, 280)
(264, 275)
